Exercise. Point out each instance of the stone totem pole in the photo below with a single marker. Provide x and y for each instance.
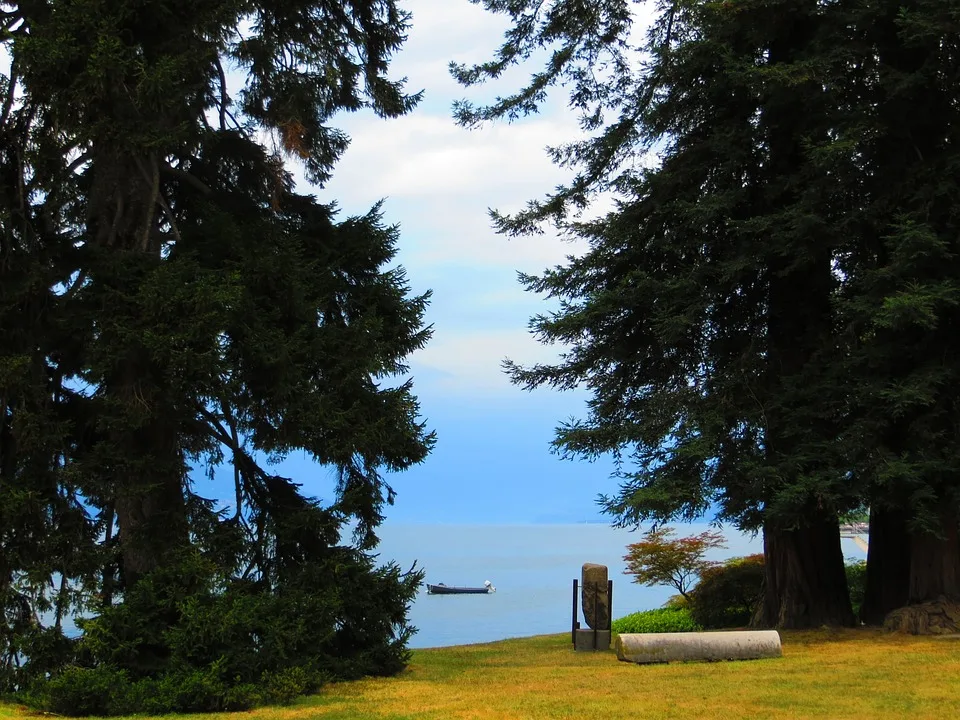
(595, 601)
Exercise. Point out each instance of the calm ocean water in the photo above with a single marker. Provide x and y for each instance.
(532, 567)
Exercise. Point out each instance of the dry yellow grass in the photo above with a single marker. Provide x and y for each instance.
(855, 675)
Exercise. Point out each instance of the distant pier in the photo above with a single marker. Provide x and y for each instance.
(858, 532)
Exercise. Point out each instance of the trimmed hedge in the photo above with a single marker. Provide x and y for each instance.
(661, 620)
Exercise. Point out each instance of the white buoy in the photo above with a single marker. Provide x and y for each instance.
(646, 648)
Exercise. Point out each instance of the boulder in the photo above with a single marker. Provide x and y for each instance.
(593, 596)
(939, 617)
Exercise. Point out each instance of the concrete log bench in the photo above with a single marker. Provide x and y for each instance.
(644, 648)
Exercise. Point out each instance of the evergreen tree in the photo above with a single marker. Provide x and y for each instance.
(170, 301)
(702, 317)
(899, 305)
(766, 321)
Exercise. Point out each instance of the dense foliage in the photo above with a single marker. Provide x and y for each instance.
(857, 583)
(168, 303)
(765, 321)
(728, 595)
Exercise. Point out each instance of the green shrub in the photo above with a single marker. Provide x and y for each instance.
(184, 640)
(86, 691)
(677, 601)
(727, 595)
(661, 620)
(285, 686)
(202, 690)
(242, 697)
(857, 583)
(108, 691)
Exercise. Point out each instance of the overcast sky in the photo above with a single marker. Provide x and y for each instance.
(492, 462)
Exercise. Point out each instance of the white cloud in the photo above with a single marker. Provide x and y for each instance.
(427, 155)
(440, 179)
(450, 30)
(469, 363)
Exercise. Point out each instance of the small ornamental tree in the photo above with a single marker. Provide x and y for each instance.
(659, 559)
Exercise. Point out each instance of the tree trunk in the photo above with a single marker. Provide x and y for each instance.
(109, 572)
(806, 586)
(144, 453)
(805, 579)
(935, 562)
(888, 565)
(150, 505)
(768, 612)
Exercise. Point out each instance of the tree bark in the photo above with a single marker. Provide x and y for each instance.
(935, 562)
(806, 586)
(145, 457)
(768, 612)
(888, 565)
(150, 505)
(805, 578)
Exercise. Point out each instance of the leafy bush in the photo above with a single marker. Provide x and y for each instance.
(242, 697)
(857, 583)
(86, 691)
(283, 687)
(727, 595)
(667, 619)
(184, 640)
(677, 601)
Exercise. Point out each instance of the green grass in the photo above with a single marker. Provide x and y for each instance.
(826, 674)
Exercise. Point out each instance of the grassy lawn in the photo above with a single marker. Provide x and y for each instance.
(855, 675)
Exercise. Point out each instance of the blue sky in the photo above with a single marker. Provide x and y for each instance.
(492, 462)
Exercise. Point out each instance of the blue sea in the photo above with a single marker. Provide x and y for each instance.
(532, 567)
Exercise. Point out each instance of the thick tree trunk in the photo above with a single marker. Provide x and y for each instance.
(150, 505)
(145, 456)
(806, 586)
(805, 580)
(935, 562)
(152, 526)
(768, 612)
(109, 573)
(888, 565)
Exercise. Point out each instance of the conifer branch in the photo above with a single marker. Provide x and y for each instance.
(11, 91)
(224, 100)
(152, 176)
(189, 178)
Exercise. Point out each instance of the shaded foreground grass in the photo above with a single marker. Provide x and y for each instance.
(826, 674)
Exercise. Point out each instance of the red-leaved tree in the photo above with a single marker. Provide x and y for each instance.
(659, 559)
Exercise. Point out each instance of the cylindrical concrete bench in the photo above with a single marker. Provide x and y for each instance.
(669, 647)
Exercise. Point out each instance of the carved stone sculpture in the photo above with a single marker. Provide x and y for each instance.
(593, 596)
